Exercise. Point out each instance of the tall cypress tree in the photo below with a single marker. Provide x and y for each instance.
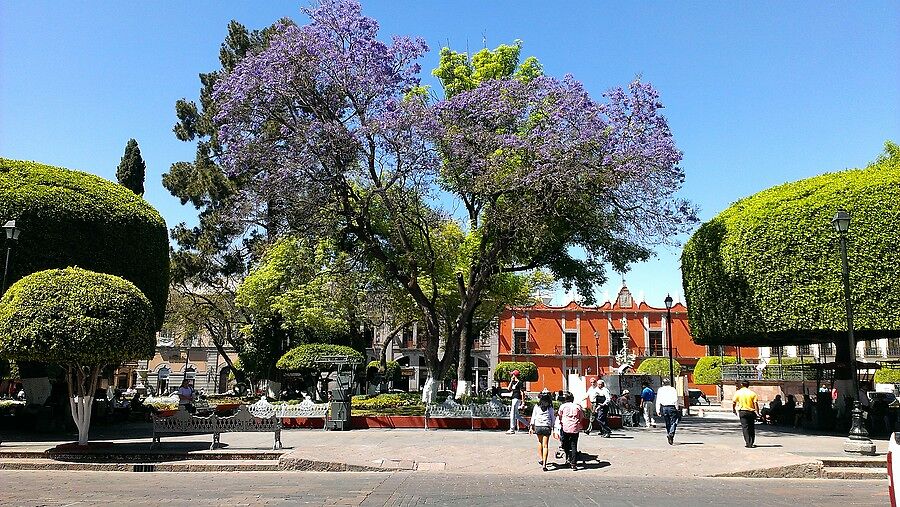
(132, 168)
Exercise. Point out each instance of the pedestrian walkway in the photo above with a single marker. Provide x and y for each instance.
(706, 446)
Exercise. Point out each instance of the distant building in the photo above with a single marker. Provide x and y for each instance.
(172, 363)
(575, 339)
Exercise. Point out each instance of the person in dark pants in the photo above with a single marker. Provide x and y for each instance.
(745, 405)
(600, 403)
(568, 424)
(668, 406)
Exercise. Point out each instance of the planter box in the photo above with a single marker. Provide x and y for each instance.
(388, 421)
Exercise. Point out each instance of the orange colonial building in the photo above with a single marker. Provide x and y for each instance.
(575, 339)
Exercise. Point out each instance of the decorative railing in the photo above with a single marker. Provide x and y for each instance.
(304, 409)
(656, 352)
(449, 408)
(559, 350)
(734, 372)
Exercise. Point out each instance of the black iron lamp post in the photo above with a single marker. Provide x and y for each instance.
(858, 439)
(669, 339)
(12, 235)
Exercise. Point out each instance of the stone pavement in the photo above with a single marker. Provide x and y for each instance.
(704, 446)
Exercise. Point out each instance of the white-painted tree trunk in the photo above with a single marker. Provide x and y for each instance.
(463, 388)
(80, 401)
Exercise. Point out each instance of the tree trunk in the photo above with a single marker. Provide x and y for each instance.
(463, 369)
(842, 358)
(80, 401)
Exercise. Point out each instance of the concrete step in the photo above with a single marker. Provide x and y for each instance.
(860, 462)
(230, 465)
(854, 473)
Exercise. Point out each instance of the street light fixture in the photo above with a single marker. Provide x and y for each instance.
(858, 439)
(12, 235)
(669, 339)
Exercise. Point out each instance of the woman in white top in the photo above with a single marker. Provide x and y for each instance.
(542, 422)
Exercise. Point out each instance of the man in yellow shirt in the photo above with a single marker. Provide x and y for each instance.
(745, 405)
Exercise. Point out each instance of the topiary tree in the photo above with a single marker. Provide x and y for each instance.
(390, 374)
(302, 360)
(81, 320)
(767, 270)
(71, 218)
(132, 169)
(887, 376)
(708, 370)
(658, 366)
(527, 371)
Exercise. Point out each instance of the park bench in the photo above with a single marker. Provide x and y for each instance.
(450, 409)
(183, 423)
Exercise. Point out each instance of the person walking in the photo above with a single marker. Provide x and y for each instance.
(746, 406)
(600, 405)
(542, 422)
(568, 424)
(647, 399)
(668, 406)
(516, 391)
(588, 400)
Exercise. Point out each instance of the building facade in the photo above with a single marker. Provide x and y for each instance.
(197, 360)
(575, 339)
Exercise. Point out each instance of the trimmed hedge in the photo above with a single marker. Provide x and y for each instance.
(528, 371)
(767, 270)
(75, 316)
(304, 357)
(658, 366)
(71, 218)
(708, 370)
(887, 376)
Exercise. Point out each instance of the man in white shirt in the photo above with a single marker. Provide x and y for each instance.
(600, 399)
(668, 406)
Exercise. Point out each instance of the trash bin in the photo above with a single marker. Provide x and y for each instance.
(340, 410)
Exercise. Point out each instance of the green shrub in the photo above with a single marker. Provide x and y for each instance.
(71, 218)
(76, 317)
(528, 371)
(658, 366)
(708, 370)
(386, 401)
(304, 357)
(887, 376)
(767, 270)
(392, 374)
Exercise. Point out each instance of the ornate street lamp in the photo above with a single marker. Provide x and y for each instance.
(858, 440)
(669, 339)
(12, 235)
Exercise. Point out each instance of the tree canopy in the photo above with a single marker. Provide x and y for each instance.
(132, 169)
(332, 120)
(767, 270)
(71, 218)
(75, 316)
(658, 366)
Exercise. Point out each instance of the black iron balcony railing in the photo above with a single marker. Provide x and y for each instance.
(893, 350)
(571, 350)
(654, 351)
(870, 351)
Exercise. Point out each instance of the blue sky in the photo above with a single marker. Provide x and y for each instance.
(757, 93)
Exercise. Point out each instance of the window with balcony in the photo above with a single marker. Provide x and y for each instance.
(408, 337)
(520, 342)
(826, 349)
(893, 347)
(656, 344)
(804, 350)
(615, 342)
(571, 343)
(715, 350)
(871, 348)
(776, 352)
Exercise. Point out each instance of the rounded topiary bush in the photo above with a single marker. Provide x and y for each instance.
(392, 373)
(304, 357)
(71, 218)
(528, 371)
(658, 366)
(708, 370)
(75, 316)
(767, 270)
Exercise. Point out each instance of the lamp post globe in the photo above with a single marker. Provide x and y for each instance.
(668, 302)
(12, 235)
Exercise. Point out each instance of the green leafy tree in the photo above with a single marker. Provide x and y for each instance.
(390, 373)
(887, 376)
(78, 319)
(767, 270)
(132, 170)
(658, 366)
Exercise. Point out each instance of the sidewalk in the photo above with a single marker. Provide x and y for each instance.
(706, 446)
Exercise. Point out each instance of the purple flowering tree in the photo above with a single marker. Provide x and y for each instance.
(537, 174)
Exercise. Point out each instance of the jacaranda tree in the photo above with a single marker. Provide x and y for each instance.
(334, 120)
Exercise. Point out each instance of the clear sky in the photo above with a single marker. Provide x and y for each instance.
(757, 93)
